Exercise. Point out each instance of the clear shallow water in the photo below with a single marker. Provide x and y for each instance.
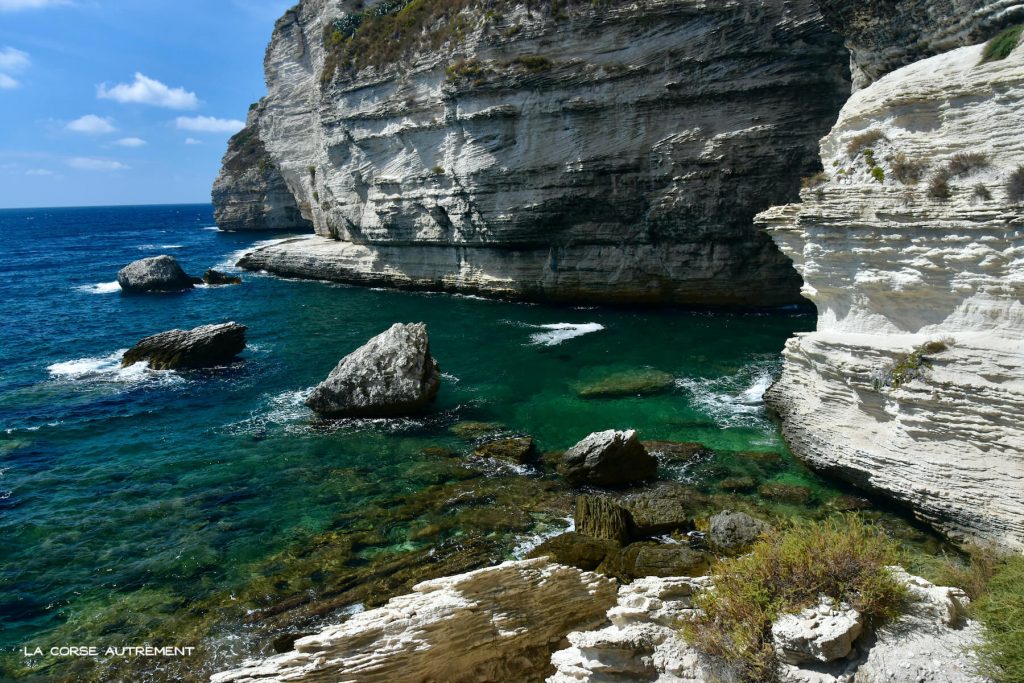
(129, 498)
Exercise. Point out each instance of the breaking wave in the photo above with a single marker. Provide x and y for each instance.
(556, 333)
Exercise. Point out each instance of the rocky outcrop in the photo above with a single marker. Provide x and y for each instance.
(154, 274)
(734, 530)
(250, 193)
(392, 374)
(605, 152)
(494, 624)
(201, 347)
(216, 278)
(911, 249)
(931, 644)
(609, 458)
(884, 35)
(822, 633)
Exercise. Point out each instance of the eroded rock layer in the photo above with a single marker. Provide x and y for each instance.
(884, 35)
(912, 249)
(604, 152)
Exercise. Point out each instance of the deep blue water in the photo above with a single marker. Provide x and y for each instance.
(129, 495)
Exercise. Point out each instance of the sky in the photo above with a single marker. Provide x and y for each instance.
(108, 102)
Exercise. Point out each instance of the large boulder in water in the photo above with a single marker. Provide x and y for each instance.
(155, 274)
(609, 458)
(392, 374)
(202, 347)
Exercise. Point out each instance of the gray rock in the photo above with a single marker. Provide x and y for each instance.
(822, 633)
(518, 450)
(215, 277)
(662, 510)
(575, 550)
(734, 530)
(250, 193)
(392, 374)
(608, 458)
(646, 558)
(201, 347)
(624, 165)
(602, 517)
(154, 274)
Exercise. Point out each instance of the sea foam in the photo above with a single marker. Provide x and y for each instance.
(732, 401)
(556, 333)
(100, 288)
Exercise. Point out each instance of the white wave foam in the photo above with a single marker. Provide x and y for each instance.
(556, 333)
(526, 545)
(210, 227)
(736, 400)
(151, 247)
(450, 377)
(234, 257)
(100, 288)
(108, 369)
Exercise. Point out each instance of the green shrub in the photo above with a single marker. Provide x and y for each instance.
(842, 557)
(1015, 186)
(1002, 45)
(439, 170)
(869, 156)
(533, 63)
(906, 170)
(982, 192)
(878, 174)
(1000, 609)
(865, 139)
(910, 366)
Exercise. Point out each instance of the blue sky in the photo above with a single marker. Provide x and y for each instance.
(124, 101)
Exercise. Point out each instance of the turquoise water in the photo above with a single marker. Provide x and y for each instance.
(132, 500)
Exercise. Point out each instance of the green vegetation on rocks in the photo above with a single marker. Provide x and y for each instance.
(1002, 45)
(842, 557)
(640, 382)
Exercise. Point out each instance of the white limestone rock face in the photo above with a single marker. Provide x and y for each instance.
(618, 153)
(494, 624)
(912, 385)
(822, 633)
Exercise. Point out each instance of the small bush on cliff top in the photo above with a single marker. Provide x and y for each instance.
(1002, 45)
(865, 139)
(842, 557)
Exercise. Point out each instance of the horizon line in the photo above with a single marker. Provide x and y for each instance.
(102, 206)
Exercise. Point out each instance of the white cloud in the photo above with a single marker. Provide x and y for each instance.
(130, 142)
(7, 83)
(38, 171)
(91, 124)
(209, 124)
(90, 164)
(12, 59)
(15, 5)
(193, 141)
(145, 90)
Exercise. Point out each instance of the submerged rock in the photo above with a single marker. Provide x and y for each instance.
(392, 374)
(782, 492)
(473, 430)
(642, 382)
(608, 458)
(676, 452)
(155, 274)
(215, 277)
(733, 530)
(493, 624)
(576, 550)
(201, 347)
(518, 450)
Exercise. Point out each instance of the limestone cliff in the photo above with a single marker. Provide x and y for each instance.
(884, 35)
(912, 249)
(607, 151)
(250, 193)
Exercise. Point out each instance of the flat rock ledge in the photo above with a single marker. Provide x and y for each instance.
(201, 347)
(155, 274)
(495, 624)
(392, 374)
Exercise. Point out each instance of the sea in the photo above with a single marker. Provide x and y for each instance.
(212, 510)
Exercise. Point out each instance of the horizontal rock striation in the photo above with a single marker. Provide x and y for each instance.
(884, 35)
(494, 624)
(613, 152)
(250, 193)
(912, 249)
(201, 347)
